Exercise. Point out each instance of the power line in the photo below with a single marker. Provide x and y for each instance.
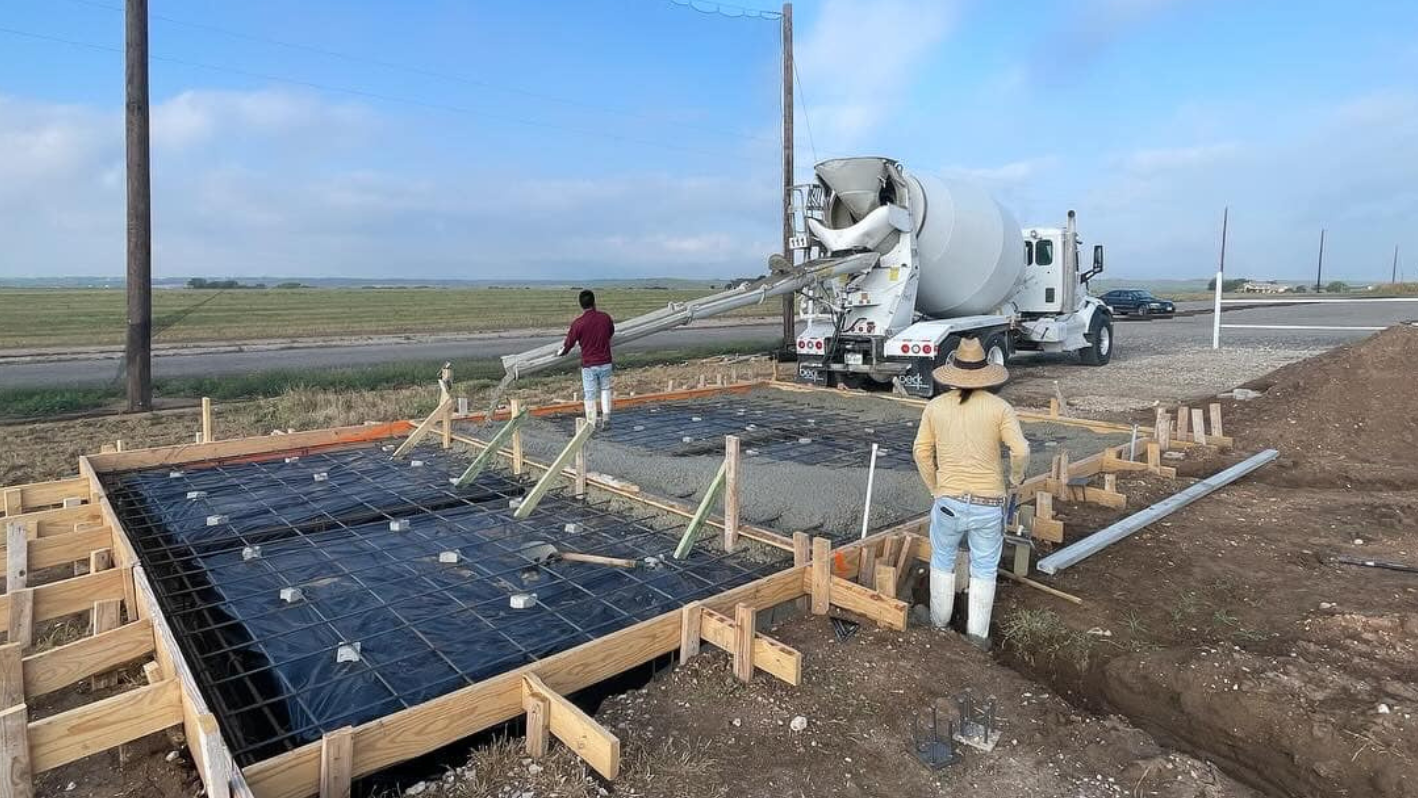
(373, 95)
(728, 10)
(807, 120)
(427, 72)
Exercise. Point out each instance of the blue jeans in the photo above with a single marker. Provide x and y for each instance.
(982, 526)
(595, 379)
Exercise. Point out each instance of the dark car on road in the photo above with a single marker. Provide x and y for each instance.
(1136, 302)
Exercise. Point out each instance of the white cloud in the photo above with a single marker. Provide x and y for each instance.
(1148, 162)
(858, 60)
(286, 206)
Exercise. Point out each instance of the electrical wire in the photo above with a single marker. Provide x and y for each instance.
(373, 95)
(423, 71)
(807, 120)
(727, 10)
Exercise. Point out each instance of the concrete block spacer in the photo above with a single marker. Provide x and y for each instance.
(347, 652)
(522, 601)
(196, 494)
(320, 476)
(448, 557)
(290, 460)
(251, 553)
(399, 525)
(291, 595)
(213, 520)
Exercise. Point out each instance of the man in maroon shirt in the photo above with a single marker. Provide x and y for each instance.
(593, 331)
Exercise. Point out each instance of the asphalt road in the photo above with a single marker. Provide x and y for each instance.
(1153, 336)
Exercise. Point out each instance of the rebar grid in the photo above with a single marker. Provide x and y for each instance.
(425, 627)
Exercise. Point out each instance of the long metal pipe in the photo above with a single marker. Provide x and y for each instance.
(1069, 555)
(680, 313)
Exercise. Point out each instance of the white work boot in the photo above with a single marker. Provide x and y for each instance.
(942, 597)
(605, 408)
(590, 404)
(982, 602)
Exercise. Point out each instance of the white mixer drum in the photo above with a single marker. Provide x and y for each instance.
(971, 248)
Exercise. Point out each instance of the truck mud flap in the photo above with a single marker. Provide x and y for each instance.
(814, 372)
(917, 380)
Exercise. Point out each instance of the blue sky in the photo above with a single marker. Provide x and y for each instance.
(636, 138)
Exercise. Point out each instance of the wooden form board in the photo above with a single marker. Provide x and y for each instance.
(63, 738)
(451, 717)
(20, 499)
(69, 596)
(769, 655)
(588, 739)
(56, 521)
(60, 667)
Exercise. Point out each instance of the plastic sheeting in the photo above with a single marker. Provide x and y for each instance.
(424, 626)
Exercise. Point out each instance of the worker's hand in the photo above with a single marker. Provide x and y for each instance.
(563, 352)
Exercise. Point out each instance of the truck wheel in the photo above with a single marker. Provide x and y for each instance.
(1100, 338)
(997, 349)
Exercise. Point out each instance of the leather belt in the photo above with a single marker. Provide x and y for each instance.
(985, 501)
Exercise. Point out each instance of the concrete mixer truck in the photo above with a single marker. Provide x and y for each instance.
(892, 270)
(951, 262)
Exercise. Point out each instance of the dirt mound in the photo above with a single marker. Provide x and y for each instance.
(1357, 404)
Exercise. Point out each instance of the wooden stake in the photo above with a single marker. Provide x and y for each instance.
(1198, 426)
(903, 562)
(691, 532)
(22, 617)
(1044, 506)
(690, 616)
(17, 556)
(1163, 432)
(802, 555)
(821, 576)
(106, 617)
(336, 763)
(1154, 457)
(581, 426)
(1110, 483)
(445, 390)
(423, 428)
(538, 727)
(1216, 420)
(14, 504)
(866, 566)
(518, 463)
(588, 739)
(745, 623)
(206, 419)
(1053, 408)
(885, 579)
(1183, 416)
(534, 496)
(731, 492)
(489, 453)
(16, 777)
(12, 676)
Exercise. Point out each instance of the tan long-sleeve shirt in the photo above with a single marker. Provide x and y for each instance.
(957, 448)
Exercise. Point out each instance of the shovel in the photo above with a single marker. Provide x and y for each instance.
(543, 553)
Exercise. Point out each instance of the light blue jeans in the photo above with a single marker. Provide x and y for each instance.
(595, 379)
(982, 527)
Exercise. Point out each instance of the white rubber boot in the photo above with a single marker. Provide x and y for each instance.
(942, 597)
(605, 408)
(982, 602)
(590, 404)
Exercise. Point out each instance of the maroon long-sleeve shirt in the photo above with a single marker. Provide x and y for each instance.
(593, 330)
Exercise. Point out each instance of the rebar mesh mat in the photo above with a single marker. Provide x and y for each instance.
(304, 605)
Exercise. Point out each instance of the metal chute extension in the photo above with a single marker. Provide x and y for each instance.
(680, 313)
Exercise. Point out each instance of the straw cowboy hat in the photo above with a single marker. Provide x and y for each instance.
(970, 369)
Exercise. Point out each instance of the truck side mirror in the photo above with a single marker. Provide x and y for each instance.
(1097, 258)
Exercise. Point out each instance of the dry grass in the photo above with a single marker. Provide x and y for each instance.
(36, 451)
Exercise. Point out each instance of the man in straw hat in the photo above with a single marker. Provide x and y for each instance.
(957, 451)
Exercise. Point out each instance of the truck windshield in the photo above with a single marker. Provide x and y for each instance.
(1044, 252)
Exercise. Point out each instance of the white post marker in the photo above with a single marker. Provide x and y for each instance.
(871, 478)
(1220, 278)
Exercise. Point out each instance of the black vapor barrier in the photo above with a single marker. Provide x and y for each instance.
(327, 590)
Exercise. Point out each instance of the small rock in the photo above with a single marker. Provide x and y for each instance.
(171, 756)
(417, 789)
(1326, 605)
(737, 722)
(534, 769)
(70, 787)
(1383, 709)
(798, 723)
(1358, 541)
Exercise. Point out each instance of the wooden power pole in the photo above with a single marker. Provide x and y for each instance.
(1394, 277)
(1319, 268)
(789, 300)
(138, 352)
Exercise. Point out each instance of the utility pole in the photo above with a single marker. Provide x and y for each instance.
(789, 300)
(1220, 278)
(1319, 269)
(138, 352)
(1394, 279)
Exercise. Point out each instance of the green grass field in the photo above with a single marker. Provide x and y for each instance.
(93, 317)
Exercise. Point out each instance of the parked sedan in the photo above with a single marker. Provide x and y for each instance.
(1131, 301)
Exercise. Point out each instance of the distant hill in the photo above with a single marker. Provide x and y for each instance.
(672, 283)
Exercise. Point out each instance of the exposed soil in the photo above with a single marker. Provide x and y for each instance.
(698, 733)
(1228, 629)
